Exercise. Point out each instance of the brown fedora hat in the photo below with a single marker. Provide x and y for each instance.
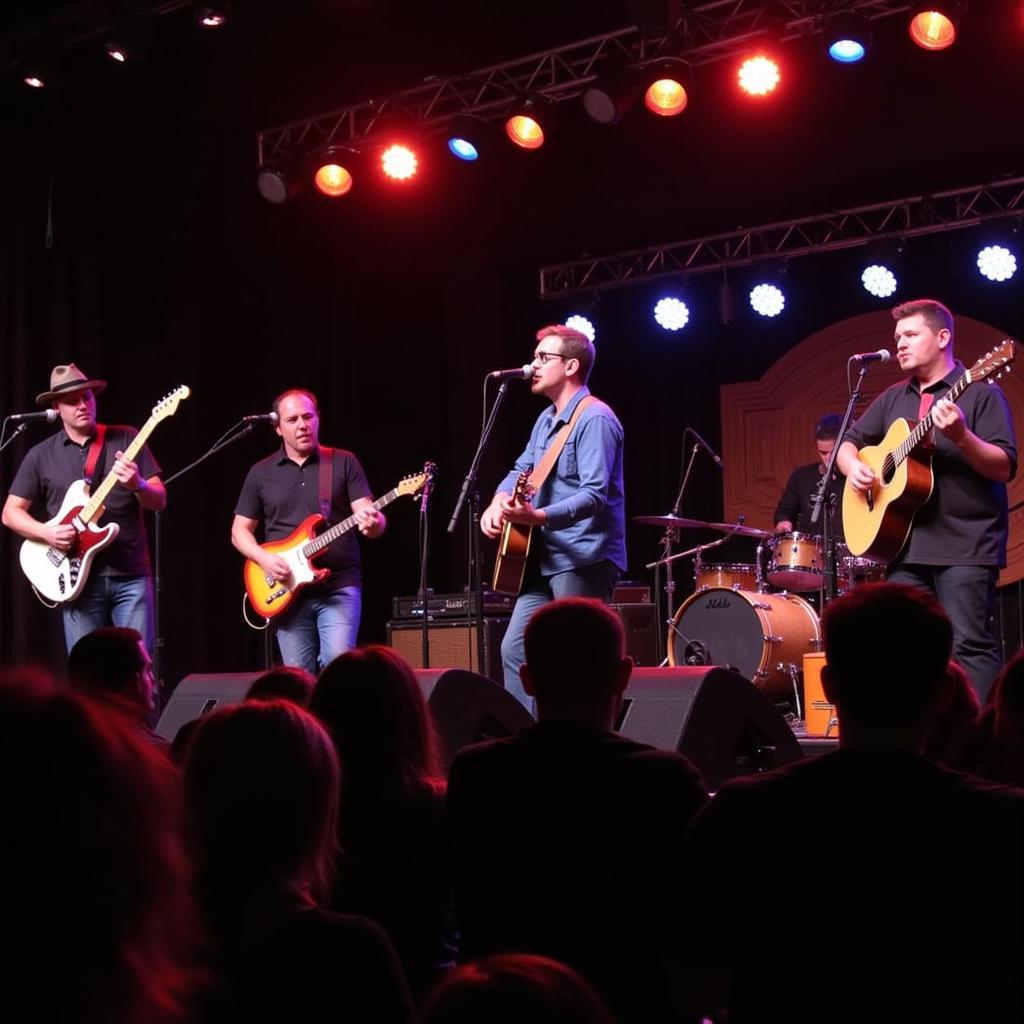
(64, 379)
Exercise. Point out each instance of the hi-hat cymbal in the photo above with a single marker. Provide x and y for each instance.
(671, 522)
(739, 530)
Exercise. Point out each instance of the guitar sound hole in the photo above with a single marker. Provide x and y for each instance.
(888, 470)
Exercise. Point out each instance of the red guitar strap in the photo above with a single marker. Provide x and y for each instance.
(326, 456)
(94, 453)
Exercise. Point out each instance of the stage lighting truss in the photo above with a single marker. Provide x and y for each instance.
(706, 33)
(830, 231)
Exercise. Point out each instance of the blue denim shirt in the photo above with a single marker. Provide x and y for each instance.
(583, 495)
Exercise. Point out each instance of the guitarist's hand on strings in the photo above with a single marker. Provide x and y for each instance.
(490, 520)
(61, 536)
(276, 566)
(949, 420)
(127, 472)
(861, 476)
(523, 513)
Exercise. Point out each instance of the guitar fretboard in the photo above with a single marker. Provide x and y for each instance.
(322, 540)
(96, 501)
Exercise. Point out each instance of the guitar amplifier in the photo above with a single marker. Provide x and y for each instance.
(451, 606)
(451, 644)
(640, 624)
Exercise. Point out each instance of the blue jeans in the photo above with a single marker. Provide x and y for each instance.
(111, 601)
(597, 580)
(968, 595)
(321, 625)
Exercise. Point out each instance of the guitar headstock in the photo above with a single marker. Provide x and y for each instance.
(995, 362)
(168, 406)
(412, 484)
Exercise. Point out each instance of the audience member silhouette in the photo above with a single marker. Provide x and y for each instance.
(97, 913)
(393, 866)
(283, 682)
(999, 748)
(870, 883)
(567, 839)
(515, 988)
(954, 729)
(261, 785)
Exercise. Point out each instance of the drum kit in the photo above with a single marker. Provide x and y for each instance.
(751, 616)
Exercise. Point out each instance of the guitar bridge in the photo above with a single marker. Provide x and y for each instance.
(55, 556)
(271, 598)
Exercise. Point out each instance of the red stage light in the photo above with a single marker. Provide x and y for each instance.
(932, 30)
(666, 97)
(759, 76)
(332, 179)
(399, 162)
(524, 131)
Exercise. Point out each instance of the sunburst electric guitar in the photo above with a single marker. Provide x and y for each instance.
(60, 575)
(877, 522)
(269, 596)
(514, 545)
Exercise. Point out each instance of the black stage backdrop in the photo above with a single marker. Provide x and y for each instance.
(134, 242)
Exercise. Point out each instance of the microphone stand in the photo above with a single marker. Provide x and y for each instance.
(827, 537)
(430, 469)
(233, 434)
(19, 429)
(471, 494)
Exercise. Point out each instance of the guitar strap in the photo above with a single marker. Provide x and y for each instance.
(326, 490)
(95, 450)
(550, 457)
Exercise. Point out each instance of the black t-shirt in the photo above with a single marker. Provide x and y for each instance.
(964, 522)
(50, 468)
(284, 494)
(797, 501)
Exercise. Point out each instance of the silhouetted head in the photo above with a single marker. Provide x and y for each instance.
(285, 682)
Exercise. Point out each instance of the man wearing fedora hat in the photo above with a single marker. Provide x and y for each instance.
(119, 590)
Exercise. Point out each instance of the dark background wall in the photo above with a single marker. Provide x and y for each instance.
(166, 267)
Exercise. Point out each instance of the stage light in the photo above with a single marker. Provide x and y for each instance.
(611, 95)
(759, 75)
(847, 37)
(879, 280)
(34, 80)
(332, 171)
(671, 314)
(280, 181)
(117, 52)
(525, 126)
(767, 299)
(465, 135)
(934, 23)
(580, 323)
(213, 15)
(997, 263)
(399, 162)
(668, 93)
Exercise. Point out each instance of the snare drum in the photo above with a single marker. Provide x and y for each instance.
(762, 636)
(795, 562)
(736, 575)
(852, 571)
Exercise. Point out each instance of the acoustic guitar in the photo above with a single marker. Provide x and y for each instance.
(877, 522)
(514, 545)
(269, 596)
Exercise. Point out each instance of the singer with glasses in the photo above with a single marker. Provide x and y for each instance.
(957, 541)
(119, 588)
(578, 515)
(303, 478)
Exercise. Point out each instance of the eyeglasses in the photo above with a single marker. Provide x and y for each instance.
(543, 357)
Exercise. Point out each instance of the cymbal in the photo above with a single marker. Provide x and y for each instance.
(739, 530)
(671, 522)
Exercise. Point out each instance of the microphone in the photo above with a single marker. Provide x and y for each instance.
(266, 417)
(700, 440)
(524, 372)
(883, 355)
(428, 486)
(50, 415)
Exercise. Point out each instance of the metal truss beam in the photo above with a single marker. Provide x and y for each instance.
(706, 32)
(827, 232)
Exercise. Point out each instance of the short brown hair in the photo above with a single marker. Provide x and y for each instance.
(935, 314)
(575, 345)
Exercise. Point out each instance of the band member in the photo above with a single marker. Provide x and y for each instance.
(119, 588)
(283, 490)
(958, 538)
(797, 502)
(579, 545)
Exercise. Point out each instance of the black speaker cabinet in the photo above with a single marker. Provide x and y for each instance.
(469, 708)
(640, 622)
(724, 724)
(199, 694)
(451, 643)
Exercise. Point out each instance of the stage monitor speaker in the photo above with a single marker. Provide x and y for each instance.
(198, 694)
(451, 643)
(469, 708)
(724, 724)
(640, 623)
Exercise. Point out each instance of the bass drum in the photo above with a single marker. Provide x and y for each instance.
(764, 637)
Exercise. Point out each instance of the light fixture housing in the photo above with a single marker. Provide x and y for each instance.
(611, 95)
(670, 81)
(333, 170)
(934, 23)
(847, 37)
(213, 15)
(280, 181)
(466, 135)
(525, 123)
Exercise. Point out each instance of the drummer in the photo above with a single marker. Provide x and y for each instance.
(793, 513)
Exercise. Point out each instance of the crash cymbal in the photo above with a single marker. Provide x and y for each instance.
(672, 522)
(739, 530)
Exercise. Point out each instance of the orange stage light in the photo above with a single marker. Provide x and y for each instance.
(932, 30)
(524, 131)
(666, 97)
(332, 179)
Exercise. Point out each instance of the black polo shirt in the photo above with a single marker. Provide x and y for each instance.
(283, 494)
(50, 468)
(964, 522)
(797, 501)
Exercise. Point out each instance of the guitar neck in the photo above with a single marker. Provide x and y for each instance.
(99, 496)
(918, 434)
(328, 536)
